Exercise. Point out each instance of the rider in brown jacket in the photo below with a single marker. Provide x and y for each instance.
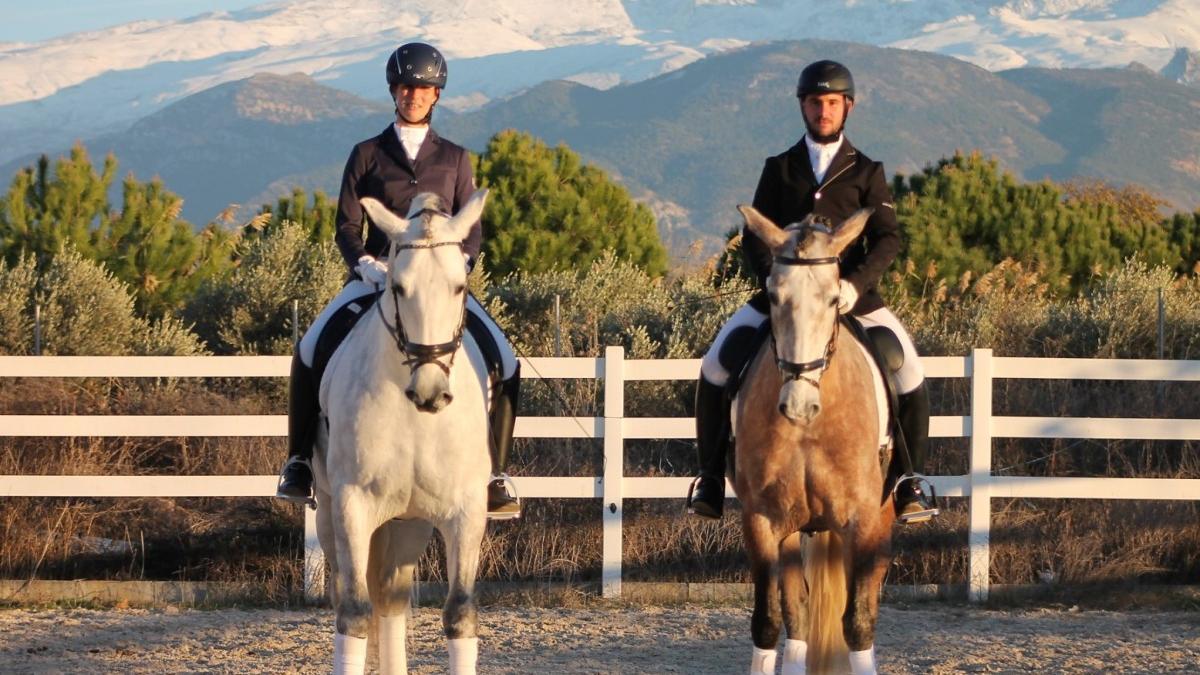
(823, 175)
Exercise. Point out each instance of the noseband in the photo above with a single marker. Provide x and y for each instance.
(419, 354)
(798, 371)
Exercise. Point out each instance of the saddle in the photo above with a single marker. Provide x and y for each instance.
(347, 316)
(883, 346)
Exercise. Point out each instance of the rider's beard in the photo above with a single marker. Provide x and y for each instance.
(817, 137)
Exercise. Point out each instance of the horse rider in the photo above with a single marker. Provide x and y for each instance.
(824, 175)
(406, 159)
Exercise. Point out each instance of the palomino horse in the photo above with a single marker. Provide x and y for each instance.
(808, 461)
(406, 448)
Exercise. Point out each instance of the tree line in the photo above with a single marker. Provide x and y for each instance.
(549, 216)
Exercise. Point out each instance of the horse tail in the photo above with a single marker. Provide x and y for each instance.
(825, 570)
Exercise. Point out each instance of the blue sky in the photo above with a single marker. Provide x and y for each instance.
(33, 20)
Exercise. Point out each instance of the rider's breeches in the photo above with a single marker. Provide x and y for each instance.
(730, 350)
(356, 288)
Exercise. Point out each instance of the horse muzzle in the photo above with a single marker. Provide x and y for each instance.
(429, 389)
(799, 401)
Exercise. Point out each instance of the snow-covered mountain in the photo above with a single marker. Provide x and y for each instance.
(84, 84)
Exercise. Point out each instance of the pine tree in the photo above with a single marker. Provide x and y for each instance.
(548, 210)
(317, 220)
(44, 211)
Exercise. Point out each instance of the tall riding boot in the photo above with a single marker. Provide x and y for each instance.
(501, 505)
(706, 497)
(913, 504)
(304, 409)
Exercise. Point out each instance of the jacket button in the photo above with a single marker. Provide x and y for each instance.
(412, 181)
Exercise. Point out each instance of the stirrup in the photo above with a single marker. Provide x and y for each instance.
(707, 512)
(926, 507)
(308, 500)
(510, 510)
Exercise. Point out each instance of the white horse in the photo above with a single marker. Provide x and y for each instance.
(406, 448)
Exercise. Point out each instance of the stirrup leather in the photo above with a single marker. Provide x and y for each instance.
(923, 513)
(310, 499)
(512, 510)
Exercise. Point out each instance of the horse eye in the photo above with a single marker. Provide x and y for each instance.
(400, 290)
(773, 297)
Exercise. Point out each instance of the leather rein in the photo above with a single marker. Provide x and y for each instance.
(420, 354)
(799, 371)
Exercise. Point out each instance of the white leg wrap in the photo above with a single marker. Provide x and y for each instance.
(349, 655)
(863, 662)
(464, 652)
(392, 655)
(795, 657)
(762, 662)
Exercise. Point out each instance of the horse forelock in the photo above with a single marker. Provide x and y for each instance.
(805, 237)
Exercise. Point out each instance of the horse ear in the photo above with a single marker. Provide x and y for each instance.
(769, 232)
(468, 215)
(384, 219)
(850, 228)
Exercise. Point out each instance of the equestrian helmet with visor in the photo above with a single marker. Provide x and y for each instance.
(416, 64)
(825, 77)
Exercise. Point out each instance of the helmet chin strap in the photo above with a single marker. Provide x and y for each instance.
(428, 116)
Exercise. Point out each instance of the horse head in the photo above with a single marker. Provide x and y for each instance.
(427, 289)
(803, 290)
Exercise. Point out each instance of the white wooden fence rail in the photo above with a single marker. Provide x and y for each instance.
(979, 484)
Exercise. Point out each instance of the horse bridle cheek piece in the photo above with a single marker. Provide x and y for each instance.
(419, 354)
(799, 371)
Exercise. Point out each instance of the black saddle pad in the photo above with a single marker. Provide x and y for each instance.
(337, 328)
(348, 315)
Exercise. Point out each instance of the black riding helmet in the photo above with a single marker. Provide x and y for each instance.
(416, 64)
(825, 77)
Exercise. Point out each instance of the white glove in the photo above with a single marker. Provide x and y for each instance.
(848, 296)
(372, 270)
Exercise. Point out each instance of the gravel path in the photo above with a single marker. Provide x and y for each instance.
(601, 639)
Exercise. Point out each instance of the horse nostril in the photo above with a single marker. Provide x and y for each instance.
(412, 395)
(782, 409)
(814, 409)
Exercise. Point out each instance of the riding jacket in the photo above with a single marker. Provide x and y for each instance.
(788, 191)
(378, 167)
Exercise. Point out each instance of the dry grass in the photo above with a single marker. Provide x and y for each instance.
(1063, 543)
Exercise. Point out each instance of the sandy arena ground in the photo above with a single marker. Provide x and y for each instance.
(951, 639)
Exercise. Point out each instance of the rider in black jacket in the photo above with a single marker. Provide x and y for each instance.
(406, 159)
(824, 175)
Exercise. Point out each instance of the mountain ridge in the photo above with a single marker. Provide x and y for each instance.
(101, 81)
(691, 143)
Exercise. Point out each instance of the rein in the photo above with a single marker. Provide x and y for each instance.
(420, 354)
(798, 371)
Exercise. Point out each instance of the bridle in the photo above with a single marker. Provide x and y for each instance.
(799, 371)
(420, 354)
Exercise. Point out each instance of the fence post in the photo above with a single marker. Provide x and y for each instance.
(978, 537)
(314, 560)
(614, 469)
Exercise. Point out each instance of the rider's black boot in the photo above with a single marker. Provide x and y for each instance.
(706, 497)
(913, 505)
(500, 504)
(296, 478)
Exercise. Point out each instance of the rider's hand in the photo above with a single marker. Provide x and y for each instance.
(848, 296)
(372, 270)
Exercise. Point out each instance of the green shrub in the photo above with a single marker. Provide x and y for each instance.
(249, 310)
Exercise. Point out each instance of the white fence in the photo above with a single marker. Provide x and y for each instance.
(613, 487)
